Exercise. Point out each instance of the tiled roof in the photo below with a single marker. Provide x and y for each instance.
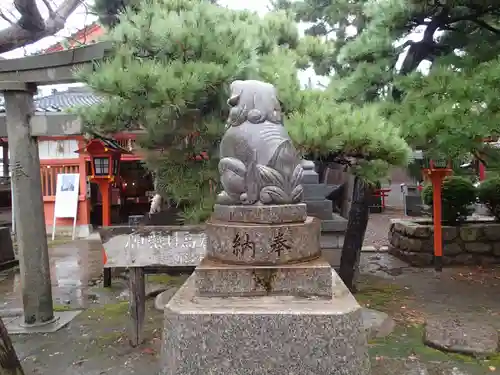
(60, 101)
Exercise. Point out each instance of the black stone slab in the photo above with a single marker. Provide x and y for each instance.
(7, 256)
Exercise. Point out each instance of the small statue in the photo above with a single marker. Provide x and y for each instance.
(156, 203)
(259, 164)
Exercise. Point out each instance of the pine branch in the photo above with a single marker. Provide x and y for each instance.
(31, 27)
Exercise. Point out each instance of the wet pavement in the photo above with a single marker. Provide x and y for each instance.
(96, 343)
(76, 275)
(74, 266)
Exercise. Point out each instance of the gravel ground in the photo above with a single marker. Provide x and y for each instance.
(378, 227)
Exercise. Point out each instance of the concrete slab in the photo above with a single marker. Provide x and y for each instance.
(62, 318)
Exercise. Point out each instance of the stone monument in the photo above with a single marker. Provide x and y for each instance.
(263, 301)
(333, 225)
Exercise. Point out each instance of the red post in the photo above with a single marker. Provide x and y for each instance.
(106, 203)
(482, 171)
(437, 176)
(437, 179)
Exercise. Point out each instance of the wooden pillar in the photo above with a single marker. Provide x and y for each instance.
(106, 203)
(438, 230)
(9, 362)
(482, 171)
(137, 304)
(437, 176)
(29, 215)
(5, 157)
(83, 207)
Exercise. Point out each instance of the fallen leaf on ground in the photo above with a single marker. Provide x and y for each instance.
(150, 351)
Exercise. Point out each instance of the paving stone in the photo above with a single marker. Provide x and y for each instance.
(466, 337)
(377, 323)
(391, 366)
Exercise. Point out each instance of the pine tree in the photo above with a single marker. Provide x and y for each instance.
(376, 65)
(169, 73)
(361, 139)
(344, 123)
(109, 11)
(432, 65)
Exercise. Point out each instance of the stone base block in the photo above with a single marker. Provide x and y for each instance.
(263, 244)
(331, 240)
(305, 279)
(317, 191)
(271, 214)
(272, 335)
(322, 209)
(332, 256)
(336, 224)
(15, 325)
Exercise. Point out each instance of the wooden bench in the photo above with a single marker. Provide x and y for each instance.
(145, 250)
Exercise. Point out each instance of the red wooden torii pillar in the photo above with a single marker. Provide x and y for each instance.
(436, 175)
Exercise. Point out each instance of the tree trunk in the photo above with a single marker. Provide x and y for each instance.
(355, 233)
(31, 27)
(9, 363)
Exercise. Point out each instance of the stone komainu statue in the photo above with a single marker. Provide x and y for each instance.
(259, 164)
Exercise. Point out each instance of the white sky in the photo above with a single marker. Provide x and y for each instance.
(80, 18)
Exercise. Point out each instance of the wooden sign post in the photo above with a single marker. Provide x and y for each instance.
(9, 362)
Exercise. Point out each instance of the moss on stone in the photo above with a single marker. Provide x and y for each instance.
(379, 295)
(58, 307)
(166, 279)
(407, 342)
(109, 311)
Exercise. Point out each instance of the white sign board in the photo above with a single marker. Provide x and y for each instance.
(66, 205)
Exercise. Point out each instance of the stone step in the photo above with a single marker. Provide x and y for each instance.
(332, 256)
(331, 240)
(317, 191)
(305, 279)
(321, 209)
(338, 224)
(310, 177)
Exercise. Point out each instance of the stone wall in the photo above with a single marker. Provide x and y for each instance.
(475, 242)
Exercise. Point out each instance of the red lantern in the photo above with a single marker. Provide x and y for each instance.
(105, 155)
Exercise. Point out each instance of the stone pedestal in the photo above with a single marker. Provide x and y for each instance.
(333, 226)
(263, 302)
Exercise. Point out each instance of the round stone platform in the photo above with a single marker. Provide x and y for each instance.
(263, 244)
(263, 214)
